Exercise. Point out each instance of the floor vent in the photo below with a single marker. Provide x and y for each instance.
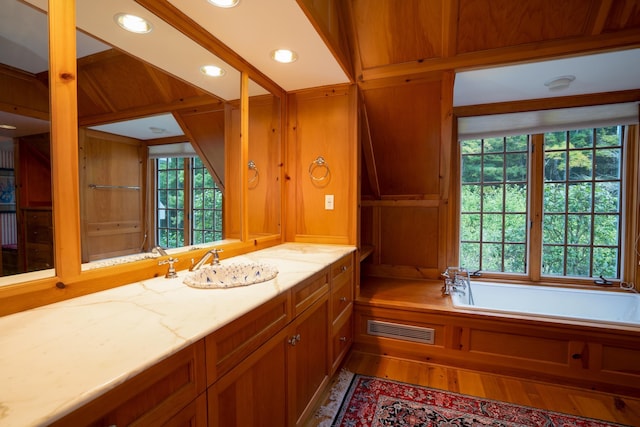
(401, 332)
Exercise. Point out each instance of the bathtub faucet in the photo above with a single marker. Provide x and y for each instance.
(456, 279)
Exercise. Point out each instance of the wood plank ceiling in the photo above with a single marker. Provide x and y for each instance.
(402, 51)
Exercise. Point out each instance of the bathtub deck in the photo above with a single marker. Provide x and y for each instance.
(404, 293)
(592, 355)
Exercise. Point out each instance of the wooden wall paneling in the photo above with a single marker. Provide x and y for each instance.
(519, 23)
(204, 127)
(410, 237)
(322, 123)
(113, 210)
(405, 123)
(23, 93)
(379, 24)
(34, 171)
(264, 150)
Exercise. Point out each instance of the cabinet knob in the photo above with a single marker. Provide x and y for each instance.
(343, 299)
(343, 339)
(343, 268)
(294, 339)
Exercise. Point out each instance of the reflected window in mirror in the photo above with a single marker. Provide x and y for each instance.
(188, 203)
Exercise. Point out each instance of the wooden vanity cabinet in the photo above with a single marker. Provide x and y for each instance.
(275, 384)
(163, 395)
(267, 368)
(253, 393)
(308, 364)
(342, 296)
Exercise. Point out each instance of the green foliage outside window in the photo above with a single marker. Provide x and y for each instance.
(582, 188)
(205, 209)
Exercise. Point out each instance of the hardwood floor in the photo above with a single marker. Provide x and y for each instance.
(576, 401)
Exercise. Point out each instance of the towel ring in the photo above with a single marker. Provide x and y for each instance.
(319, 162)
(252, 166)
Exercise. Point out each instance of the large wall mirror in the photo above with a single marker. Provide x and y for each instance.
(264, 163)
(26, 229)
(159, 141)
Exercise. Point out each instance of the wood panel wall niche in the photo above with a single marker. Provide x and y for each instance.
(406, 141)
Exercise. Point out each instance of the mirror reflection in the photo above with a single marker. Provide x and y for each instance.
(26, 228)
(149, 181)
(159, 144)
(264, 164)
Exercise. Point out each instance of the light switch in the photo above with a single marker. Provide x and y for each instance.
(328, 202)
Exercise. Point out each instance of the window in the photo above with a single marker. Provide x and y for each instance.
(575, 186)
(188, 203)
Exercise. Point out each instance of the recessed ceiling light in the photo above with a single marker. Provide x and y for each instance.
(133, 23)
(559, 83)
(212, 71)
(8, 127)
(224, 3)
(285, 56)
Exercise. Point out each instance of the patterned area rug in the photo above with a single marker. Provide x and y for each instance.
(376, 402)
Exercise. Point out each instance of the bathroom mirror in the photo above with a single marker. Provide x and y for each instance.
(26, 227)
(264, 165)
(137, 103)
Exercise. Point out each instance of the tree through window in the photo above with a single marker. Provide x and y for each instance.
(580, 204)
(188, 203)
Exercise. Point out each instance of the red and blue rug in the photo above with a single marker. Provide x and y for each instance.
(376, 402)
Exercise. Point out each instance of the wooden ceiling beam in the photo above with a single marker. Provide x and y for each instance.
(548, 103)
(509, 55)
(147, 110)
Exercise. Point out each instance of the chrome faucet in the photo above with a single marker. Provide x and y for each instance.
(159, 250)
(456, 279)
(171, 272)
(212, 253)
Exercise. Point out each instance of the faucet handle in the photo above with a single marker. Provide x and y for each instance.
(216, 257)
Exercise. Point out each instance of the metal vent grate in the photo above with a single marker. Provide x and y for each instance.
(401, 332)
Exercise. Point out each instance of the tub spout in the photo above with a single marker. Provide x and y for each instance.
(458, 283)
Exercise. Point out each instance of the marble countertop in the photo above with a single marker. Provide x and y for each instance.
(55, 358)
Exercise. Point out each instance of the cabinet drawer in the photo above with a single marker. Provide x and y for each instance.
(230, 344)
(39, 234)
(39, 256)
(342, 267)
(37, 218)
(341, 341)
(151, 398)
(309, 291)
(341, 297)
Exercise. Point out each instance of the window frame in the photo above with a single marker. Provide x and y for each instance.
(628, 214)
(187, 208)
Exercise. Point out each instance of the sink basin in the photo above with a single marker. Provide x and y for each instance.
(231, 275)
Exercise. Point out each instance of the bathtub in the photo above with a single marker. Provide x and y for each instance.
(565, 303)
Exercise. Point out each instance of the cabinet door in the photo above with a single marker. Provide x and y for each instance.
(254, 392)
(193, 415)
(308, 360)
(151, 398)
